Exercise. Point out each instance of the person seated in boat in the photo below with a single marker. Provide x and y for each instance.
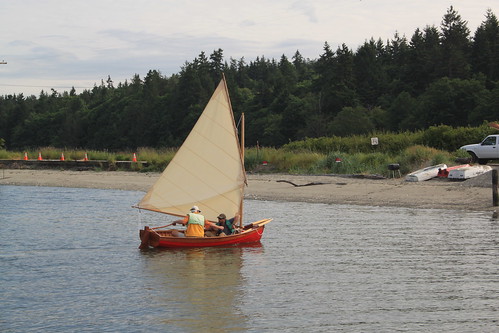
(228, 225)
(196, 223)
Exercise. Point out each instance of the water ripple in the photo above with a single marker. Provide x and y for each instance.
(69, 262)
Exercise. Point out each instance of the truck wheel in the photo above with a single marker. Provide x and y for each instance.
(474, 158)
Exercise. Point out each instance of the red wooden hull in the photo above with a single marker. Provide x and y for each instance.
(152, 238)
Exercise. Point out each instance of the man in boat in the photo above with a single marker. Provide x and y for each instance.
(196, 223)
(228, 225)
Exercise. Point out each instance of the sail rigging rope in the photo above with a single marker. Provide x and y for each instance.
(239, 123)
(140, 218)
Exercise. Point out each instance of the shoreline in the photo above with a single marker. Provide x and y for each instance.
(471, 195)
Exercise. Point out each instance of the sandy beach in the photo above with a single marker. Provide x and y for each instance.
(474, 194)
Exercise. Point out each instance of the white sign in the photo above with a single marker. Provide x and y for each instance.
(374, 141)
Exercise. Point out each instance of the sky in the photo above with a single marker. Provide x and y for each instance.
(59, 44)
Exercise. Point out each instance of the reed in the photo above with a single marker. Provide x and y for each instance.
(158, 159)
(375, 163)
(416, 157)
(6, 155)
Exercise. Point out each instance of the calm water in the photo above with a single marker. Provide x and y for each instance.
(69, 263)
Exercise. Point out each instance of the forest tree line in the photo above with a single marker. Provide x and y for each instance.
(440, 75)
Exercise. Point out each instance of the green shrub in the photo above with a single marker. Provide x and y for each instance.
(441, 137)
(412, 150)
(4, 155)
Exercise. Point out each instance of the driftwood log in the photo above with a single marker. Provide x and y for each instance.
(296, 185)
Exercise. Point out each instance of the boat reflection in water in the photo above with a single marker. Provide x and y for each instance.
(200, 289)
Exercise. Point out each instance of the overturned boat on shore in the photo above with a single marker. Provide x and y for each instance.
(425, 173)
(469, 171)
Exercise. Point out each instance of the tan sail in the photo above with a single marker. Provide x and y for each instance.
(207, 171)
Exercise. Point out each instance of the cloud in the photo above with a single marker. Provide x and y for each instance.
(306, 8)
(247, 23)
(55, 42)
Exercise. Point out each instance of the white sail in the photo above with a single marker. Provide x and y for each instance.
(207, 171)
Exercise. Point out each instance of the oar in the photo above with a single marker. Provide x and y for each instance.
(256, 224)
(163, 226)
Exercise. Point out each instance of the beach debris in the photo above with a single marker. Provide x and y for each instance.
(297, 185)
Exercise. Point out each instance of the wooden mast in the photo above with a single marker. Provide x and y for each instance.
(242, 159)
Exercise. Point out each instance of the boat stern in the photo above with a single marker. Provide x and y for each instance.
(148, 238)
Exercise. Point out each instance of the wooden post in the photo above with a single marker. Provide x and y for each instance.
(495, 196)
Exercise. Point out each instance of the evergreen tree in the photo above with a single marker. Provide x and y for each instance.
(455, 46)
(397, 63)
(324, 82)
(370, 72)
(351, 121)
(485, 50)
(217, 64)
(401, 113)
(424, 54)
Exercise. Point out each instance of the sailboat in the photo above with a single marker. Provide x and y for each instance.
(207, 171)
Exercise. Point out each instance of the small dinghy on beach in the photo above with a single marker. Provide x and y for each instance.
(425, 173)
(468, 172)
(444, 173)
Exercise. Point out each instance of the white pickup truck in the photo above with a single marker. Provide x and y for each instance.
(484, 151)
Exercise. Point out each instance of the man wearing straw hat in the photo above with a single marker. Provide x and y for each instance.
(196, 223)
